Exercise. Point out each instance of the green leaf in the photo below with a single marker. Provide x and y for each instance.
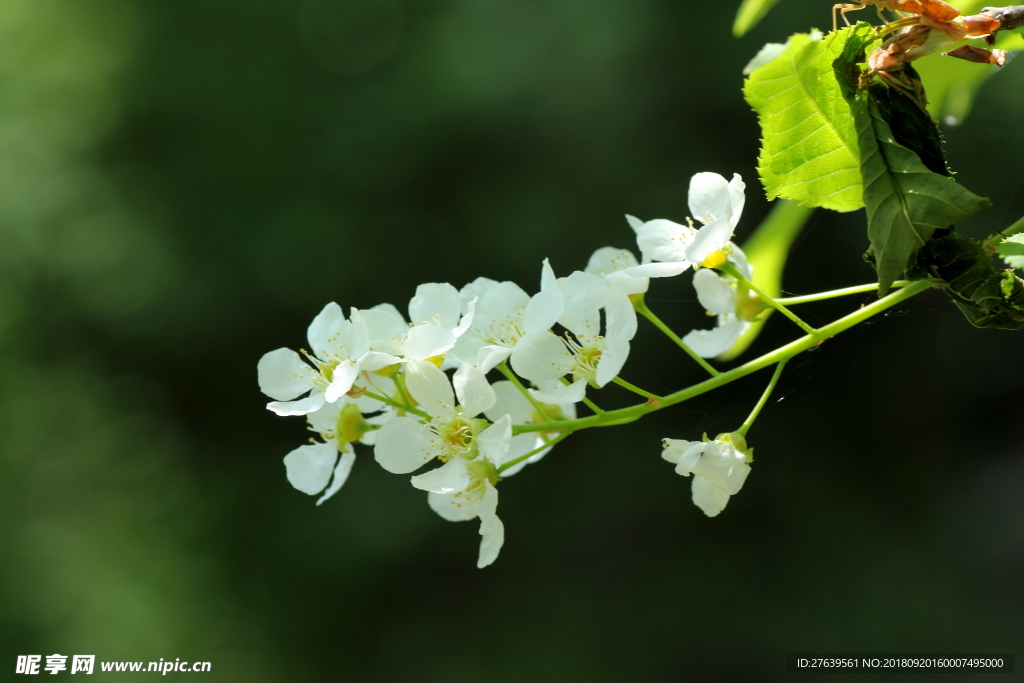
(906, 203)
(1012, 250)
(809, 150)
(750, 12)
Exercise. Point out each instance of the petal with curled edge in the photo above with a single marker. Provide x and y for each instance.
(403, 445)
(451, 477)
(309, 467)
(303, 406)
(736, 198)
(668, 269)
(282, 375)
(341, 472)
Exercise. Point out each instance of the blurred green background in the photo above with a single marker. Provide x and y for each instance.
(184, 184)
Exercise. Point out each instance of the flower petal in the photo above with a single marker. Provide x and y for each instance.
(309, 467)
(711, 238)
(614, 356)
(437, 303)
(664, 240)
(541, 355)
(736, 198)
(562, 393)
(341, 472)
(426, 341)
(647, 270)
(303, 406)
(283, 376)
(491, 528)
(509, 401)
(490, 357)
(715, 293)
(620, 316)
(473, 391)
(714, 342)
(709, 197)
(323, 330)
(341, 380)
(674, 449)
(493, 442)
(451, 477)
(453, 507)
(724, 466)
(403, 445)
(430, 387)
(708, 497)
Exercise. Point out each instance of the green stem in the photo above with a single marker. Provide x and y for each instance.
(635, 389)
(593, 406)
(846, 291)
(641, 308)
(395, 404)
(731, 270)
(780, 354)
(511, 377)
(1014, 229)
(742, 431)
(512, 463)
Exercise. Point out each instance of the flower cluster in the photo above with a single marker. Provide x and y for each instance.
(417, 390)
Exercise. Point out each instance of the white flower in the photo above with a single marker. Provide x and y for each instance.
(719, 469)
(669, 248)
(591, 357)
(721, 296)
(437, 323)
(405, 444)
(339, 349)
(472, 449)
(503, 315)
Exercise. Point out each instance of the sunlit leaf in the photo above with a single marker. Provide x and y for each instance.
(809, 148)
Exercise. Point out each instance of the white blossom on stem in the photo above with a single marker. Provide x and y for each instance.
(668, 248)
(718, 466)
(339, 349)
(588, 355)
(503, 315)
(723, 297)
